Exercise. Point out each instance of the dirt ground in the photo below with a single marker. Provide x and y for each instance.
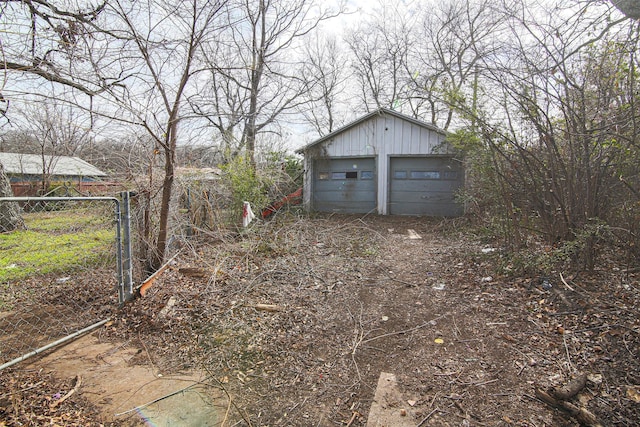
(295, 320)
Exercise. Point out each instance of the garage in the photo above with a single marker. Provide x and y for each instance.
(424, 186)
(385, 162)
(344, 185)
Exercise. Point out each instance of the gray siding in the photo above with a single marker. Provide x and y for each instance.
(384, 134)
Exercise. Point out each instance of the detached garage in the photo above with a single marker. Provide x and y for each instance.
(384, 162)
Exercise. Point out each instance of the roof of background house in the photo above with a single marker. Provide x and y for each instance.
(31, 164)
(198, 174)
(366, 117)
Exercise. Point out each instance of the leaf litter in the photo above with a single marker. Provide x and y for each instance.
(297, 317)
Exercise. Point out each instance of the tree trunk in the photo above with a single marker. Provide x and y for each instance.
(157, 257)
(259, 48)
(10, 218)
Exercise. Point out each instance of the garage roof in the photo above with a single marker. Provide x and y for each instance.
(379, 112)
(31, 164)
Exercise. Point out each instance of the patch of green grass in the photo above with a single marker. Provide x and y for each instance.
(64, 221)
(53, 242)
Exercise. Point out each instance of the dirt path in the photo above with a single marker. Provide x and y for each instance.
(350, 298)
(363, 296)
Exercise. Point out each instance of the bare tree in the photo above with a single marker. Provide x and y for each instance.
(326, 76)
(426, 68)
(564, 133)
(458, 36)
(43, 40)
(379, 48)
(157, 45)
(50, 131)
(46, 128)
(125, 158)
(256, 77)
(41, 44)
(134, 60)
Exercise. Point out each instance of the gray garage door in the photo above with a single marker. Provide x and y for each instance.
(344, 185)
(425, 186)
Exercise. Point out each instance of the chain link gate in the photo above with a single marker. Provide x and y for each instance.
(57, 270)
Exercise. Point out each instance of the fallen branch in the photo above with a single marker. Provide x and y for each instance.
(445, 374)
(22, 390)
(571, 389)
(195, 272)
(353, 418)
(486, 382)
(153, 367)
(137, 408)
(267, 307)
(566, 350)
(425, 419)
(144, 287)
(565, 283)
(411, 285)
(232, 402)
(582, 415)
(75, 388)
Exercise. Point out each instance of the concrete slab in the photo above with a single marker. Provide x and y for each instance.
(413, 235)
(117, 380)
(191, 407)
(389, 407)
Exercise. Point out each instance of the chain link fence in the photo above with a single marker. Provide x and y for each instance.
(64, 269)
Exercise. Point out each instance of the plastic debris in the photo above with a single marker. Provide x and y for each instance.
(247, 214)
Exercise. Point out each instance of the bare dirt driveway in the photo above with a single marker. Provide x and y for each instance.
(295, 320)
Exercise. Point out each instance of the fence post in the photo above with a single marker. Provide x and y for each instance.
(127, 263)
(118, 208)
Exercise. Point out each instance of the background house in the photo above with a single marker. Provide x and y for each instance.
(384, 162)
(29, 174)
